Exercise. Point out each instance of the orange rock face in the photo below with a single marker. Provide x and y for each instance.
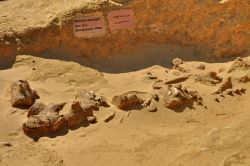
(208, 27)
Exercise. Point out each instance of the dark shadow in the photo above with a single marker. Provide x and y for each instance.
(145, 56)
(7, 63)
(62, 132)
(182, 108)
(132, 108)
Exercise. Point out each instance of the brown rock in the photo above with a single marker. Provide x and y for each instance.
(76, 116)
(240, 64)
(177, 62)
(158, 84)
(176, 80)
(90, 101)
(211, 78)
(152, 108)
(43, 120)
(22, 95)
(134, 99)
(201, 66)
(109, 117)
(91, 119)
(227, 84)
(244, 79)
(5, 144)
(175, 97)
(126, 101)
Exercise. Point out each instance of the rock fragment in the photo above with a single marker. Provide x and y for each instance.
(211, 78)
(22, 95)
(109, 117)
(244, 79)
(175, 97)
(176, 80)
(158, 84)
(240, 64)
(226, 84)
(91, 119)
(5, 144)
(43, 120)
(90, 101)
(76, 115)
(127, 101)
(152, 108)
(177, 62)
(201, 66)
(134, 99)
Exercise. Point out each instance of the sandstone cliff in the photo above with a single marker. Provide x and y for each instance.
(208, 27)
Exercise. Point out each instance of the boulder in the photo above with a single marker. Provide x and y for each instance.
(22, 95)
(90, 101)
(43, 120)
(240, 64)
(127, 101)
(210, 78)
(177, 62)
(177, 96)
(76, 116)
(226, 84)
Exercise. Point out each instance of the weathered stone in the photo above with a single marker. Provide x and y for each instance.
(211, 78)
(201, 66)
(109, 117)
(126, 101)
(91, 119)
(244, 79)
(152, 108)
(177, 62)
(158, 84)
(240, 64)
(76, 115)
(43, 120)
(176, 80)
(90, 101)
(22, 95)
(226, 84)
(5, 144)
(134, 99)
(175, 97)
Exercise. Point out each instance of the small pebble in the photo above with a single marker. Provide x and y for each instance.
(91, 119)
(109, 117)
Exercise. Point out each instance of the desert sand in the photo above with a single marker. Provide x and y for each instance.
(212, 133)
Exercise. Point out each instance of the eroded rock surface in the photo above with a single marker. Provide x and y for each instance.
(43, 120)
(240, 64)
(226, 84)
(211, 78)
(22, 95)
(175, 97)
(76, 115)
(90, 101)
(134, 99)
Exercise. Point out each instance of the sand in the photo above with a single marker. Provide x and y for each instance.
(39, 47)
(217, 135)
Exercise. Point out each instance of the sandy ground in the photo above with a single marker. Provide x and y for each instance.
(215, 134)
(218, 135)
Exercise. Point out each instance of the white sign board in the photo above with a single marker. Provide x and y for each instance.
(89, 26)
